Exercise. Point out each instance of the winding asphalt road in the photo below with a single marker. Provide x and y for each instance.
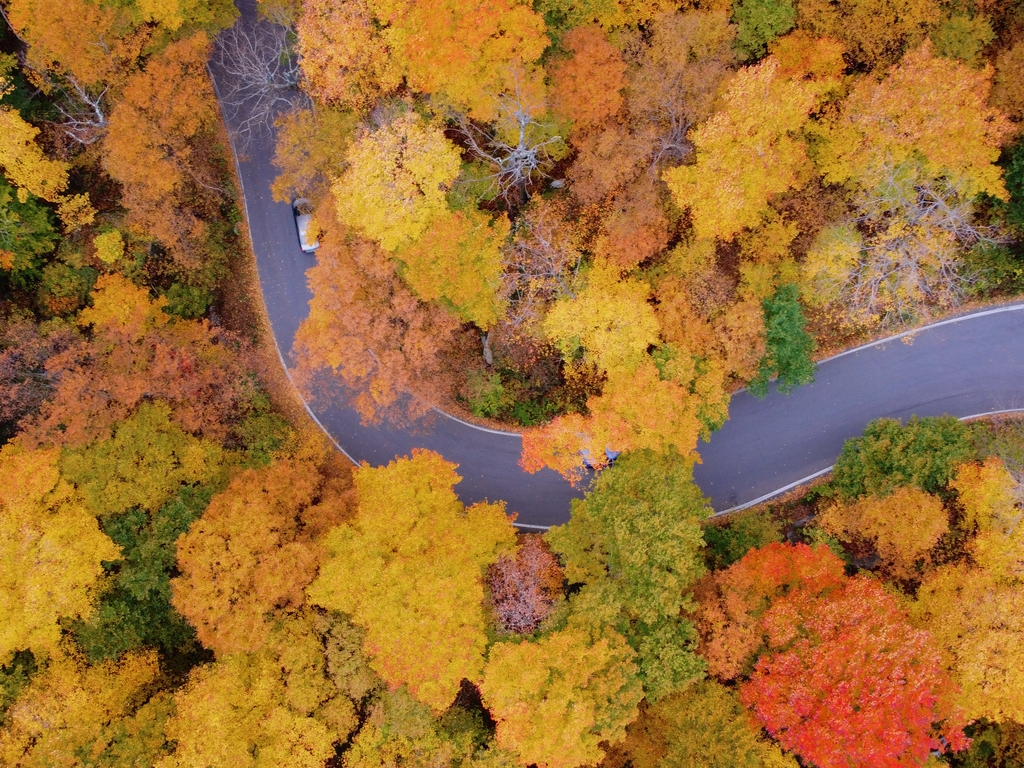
(966, 366)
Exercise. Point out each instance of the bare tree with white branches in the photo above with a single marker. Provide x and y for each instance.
(918, 228)
(518, 149)
(262, 73)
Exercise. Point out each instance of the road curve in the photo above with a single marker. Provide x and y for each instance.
(964, 367)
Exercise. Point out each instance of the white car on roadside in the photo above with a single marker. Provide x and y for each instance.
(303, 211)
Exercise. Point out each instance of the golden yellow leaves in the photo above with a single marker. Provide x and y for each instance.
(51, 549)
(746, 152)
(557, 699)
(396, 181)
(410, 571)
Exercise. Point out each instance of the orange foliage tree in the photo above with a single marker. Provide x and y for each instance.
(138, 352)
(870, 686)
(369, 332)
(587, 88)
(249, 555)
(159, 146)
(344, 59)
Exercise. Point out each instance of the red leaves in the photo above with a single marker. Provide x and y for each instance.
(853, 683)
(525, 587)
(843, 679)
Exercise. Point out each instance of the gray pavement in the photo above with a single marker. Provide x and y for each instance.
(962, 368)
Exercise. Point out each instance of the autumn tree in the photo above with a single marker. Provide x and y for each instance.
(52, 552)
(556, 700)
(138, 352)
(466, 53)
(871, 686)
(746, 153)
(369, 332)
(248, 556)
(72, 709)
(525, 586)
(634, 543)
(28, 168)
(875, 33)
(918, 159)
(975, 617)
(458, 261)
(610, 324)
(395, 184)
(282, 704)
(159, 146)
(704, 725)
(310, 152)
(732, 602)
(901, 527)
(675, 77)
(409, 570)
(587, 88)
(144, 463)
(25, 348)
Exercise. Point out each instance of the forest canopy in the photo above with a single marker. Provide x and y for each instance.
(590, 221)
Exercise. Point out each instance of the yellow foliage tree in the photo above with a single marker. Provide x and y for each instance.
(51, 550)
(609, 319)
(978, 620)
(905, 117)
(902, 526)
(459, 261)
(990, 497)
(26, 165)
(410, 571)
(746, 153)
(556, 700)
(72, 709)
(275, 707)
(396, 181)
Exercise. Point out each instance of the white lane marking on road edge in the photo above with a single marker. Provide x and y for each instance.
(476, 426)
(534, 527)
(950, 321)
(252, 245)
(767, 496)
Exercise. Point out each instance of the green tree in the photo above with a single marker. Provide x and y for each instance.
(136, 609)
(730, 539)
(635, 543)
(759, 22)
(923, 452)
(26, 234)
(410, 570)
(789, 345)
